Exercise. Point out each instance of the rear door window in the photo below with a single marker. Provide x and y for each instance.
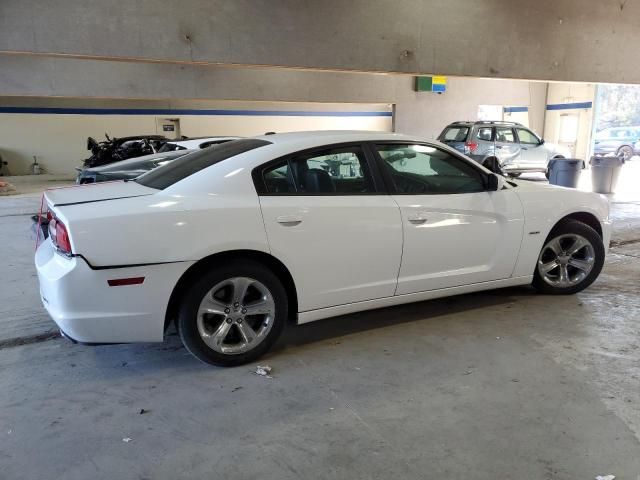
(485, 133)
(505, 135)
(334, 171)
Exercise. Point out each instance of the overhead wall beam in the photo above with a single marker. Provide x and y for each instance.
(566, 40)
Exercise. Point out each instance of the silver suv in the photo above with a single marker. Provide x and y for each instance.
(503, 147)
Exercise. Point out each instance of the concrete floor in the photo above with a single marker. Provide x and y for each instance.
(496, 385)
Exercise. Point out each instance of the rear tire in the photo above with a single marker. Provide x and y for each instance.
(570, 260)
(625, 152)
(233, 314)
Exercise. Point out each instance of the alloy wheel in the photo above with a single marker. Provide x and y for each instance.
(236, 315)
(566, 260)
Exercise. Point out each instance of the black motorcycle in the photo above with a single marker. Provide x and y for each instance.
(116, 149)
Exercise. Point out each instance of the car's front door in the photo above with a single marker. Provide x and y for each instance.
(533, 154)
(507, 146)
(455, 231)
(329, 221)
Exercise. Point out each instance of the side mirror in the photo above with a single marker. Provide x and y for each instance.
(541, 141)
(494, 182)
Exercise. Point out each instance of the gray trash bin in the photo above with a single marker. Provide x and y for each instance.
(604, 173)
(565, 172)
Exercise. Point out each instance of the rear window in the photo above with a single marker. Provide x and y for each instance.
(455, 134)
(185, 166)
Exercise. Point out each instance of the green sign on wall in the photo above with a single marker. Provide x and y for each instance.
(436, 83)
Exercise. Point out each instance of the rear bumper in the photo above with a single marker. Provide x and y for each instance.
(88, 310)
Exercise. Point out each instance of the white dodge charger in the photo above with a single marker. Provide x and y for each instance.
(232, 242)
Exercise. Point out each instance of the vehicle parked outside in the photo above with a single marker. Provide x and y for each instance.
(127, 169)
(232, 242)
(507, 147)
(620, 141)
(195, 143)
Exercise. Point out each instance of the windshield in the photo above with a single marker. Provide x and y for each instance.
(166, 175)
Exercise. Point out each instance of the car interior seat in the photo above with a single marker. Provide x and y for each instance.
(317, 180)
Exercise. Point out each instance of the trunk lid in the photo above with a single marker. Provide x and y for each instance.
(95, 192)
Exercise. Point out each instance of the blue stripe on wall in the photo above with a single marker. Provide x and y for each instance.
(162, 111)
(515, 109)
(569, 106)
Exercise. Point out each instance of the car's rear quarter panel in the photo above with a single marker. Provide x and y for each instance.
(162, 228)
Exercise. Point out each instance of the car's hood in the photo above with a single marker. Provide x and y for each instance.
(95, 192)
(556, 149)
(529, 185)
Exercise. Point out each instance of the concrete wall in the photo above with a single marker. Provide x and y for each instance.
(565, 100)
(570, 40)
(427, 114)
(59, 140)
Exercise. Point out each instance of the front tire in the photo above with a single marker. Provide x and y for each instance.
(233, 314)
(570, 260)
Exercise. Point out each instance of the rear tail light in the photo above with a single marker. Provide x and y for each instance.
(59, 236)
(470, 147)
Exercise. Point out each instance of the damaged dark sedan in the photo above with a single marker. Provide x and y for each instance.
(127, 169)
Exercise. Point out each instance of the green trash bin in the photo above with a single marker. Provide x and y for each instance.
(604, 173)
(565, 172)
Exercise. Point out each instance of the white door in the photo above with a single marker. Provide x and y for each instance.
(340, 238)
(569, 128)
(532, 151)
(455, 232)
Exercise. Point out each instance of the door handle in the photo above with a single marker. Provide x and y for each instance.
(289, 220)
(499, 147)
(523, 148)
(417, 218)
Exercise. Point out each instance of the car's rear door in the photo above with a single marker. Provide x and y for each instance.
(455, 231)
(507, 146)
(329, 221)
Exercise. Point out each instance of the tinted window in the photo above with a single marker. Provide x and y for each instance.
(485, 133)
(505, 135)
(341, 171)
(212, 142)
(420, 169)
(526, 136)
(170, 147)
(279, 179)
(191, 163)
(455, 134)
